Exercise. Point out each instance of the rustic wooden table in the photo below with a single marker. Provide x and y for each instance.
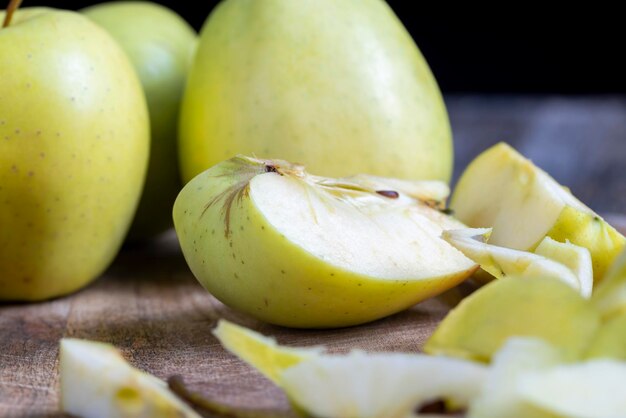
(150, 306)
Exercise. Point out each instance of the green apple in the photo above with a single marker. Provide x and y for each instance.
(559, 260)
(160, 45)
(74, 142)
(523, 204)
(338, 85)
(96, 381)
(290, 248)
(541, 307)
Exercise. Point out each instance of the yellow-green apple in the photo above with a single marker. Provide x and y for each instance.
(337, 85)
(299, 250)
(160, 45)
(503, 190)
(96, 381)
(74, 140)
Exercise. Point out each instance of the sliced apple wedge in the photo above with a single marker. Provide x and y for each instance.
(357, 384)
(298, 250)
(523, 204)
(97, 382)
(563, 261)
(541, 307)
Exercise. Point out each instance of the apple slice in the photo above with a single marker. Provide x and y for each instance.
(96, 382)
(610, 341)
(574, 257)
(500, 397)
(595, 389)
(380, 385)
(563, 261)
(298, 250)
(261, 352)
(357, 384)
(535, 307)
(523, 204)
(610, 296)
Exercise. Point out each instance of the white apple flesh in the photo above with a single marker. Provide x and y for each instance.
(96, 382)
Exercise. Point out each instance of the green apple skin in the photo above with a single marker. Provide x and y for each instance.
(337, 85)
(74, 143)
(160, 45)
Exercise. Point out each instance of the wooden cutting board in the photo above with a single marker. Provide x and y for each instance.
(149, 305)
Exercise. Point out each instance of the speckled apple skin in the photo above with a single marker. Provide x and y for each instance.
(74, 142)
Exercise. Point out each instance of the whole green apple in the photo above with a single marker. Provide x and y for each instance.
(74, 143)
(160, 45)
(338, 85)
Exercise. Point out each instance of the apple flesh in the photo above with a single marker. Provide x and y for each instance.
(503, 190)
(610, 296)
(74, 142)
(552, 259)
(96, 382)
(357, 384)
(160, 45)
(500, 396)
(337, 85)
(583, 390)
(373, 385)
(610, 340)
(294, 249)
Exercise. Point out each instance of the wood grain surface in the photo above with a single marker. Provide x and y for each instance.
(149, 305)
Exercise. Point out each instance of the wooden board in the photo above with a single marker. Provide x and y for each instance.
(149, 305)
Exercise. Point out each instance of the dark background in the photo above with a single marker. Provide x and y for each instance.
(510, 49)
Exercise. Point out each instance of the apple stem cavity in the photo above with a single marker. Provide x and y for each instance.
(13, 6)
